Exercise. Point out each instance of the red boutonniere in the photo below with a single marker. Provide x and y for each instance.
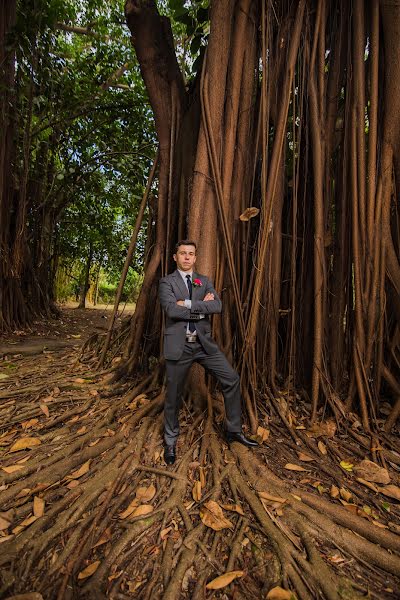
(197, 283)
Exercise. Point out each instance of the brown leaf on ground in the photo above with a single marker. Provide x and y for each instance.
(196, 491)
(73, 484)
(29, 424)
(129, 509)
(305, 457)
(202, 476)
(212, 516)
(24, 443)
(81, 471)
(370, 471)
(233, 508)
(271, 498)
(392, 491)
(164, 533)
(106, 537)
(12, 468)
(345, 494)
(291, 467)
(44, 408)
(145, 494)
(334, 491)
(89, 570)
(224, 580)
(322, 448)
(38, 506)
(368, 484)
(25, 523)
(278, 593)
(143, 509)
(263, 433)
(327, 428)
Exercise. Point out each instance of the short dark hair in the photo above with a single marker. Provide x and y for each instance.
(185, 243)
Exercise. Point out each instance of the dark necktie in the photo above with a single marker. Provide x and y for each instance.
(192, 326)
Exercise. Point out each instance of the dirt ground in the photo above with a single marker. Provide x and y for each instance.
(89, 510)
(72, 328)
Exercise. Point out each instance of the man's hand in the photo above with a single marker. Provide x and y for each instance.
(209, 296)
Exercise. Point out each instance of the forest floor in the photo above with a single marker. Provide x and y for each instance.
(88, 508)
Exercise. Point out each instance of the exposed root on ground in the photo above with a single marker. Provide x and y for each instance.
(91, 510)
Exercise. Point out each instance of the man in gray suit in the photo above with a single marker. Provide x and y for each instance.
(188, 299)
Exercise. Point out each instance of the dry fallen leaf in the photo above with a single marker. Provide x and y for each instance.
(334, 491)
(80, 380)
(129, 510)
(25, 523)
(305, 457)
(345, 494)
(145, 494)
(370, 471)
(322, 448)
(45, 409)
(12, 468)
(278, 593)
(249, 213)
(233, 508)
(202, 476)
(368, 484)
(271, 498)
(224, 580)
(24, 443)
(392, 491)
(291, 467)
(81, 471)
(38, 506)
(196, 491)
(73, 484)
(212, 516)
(263, 433)
(89, 570)
(29, 424)
(143, 509)
(106, 537)
(164, 533)
(327, 428)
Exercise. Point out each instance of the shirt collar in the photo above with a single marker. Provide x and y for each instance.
(184, 273)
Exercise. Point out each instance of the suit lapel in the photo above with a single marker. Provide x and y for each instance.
(181, 285)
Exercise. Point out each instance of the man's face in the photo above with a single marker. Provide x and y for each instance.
(185, 258)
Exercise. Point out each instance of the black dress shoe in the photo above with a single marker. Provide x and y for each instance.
(240, 438)
(169, 454)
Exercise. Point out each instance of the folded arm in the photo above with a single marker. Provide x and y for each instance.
(207, 307)
(180, 312)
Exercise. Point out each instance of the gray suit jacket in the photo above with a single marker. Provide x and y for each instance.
(172, 288)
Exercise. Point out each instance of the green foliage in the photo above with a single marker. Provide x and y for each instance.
(89, 128)
(190, 23)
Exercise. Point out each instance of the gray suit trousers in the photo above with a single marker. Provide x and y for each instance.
(219, 367)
